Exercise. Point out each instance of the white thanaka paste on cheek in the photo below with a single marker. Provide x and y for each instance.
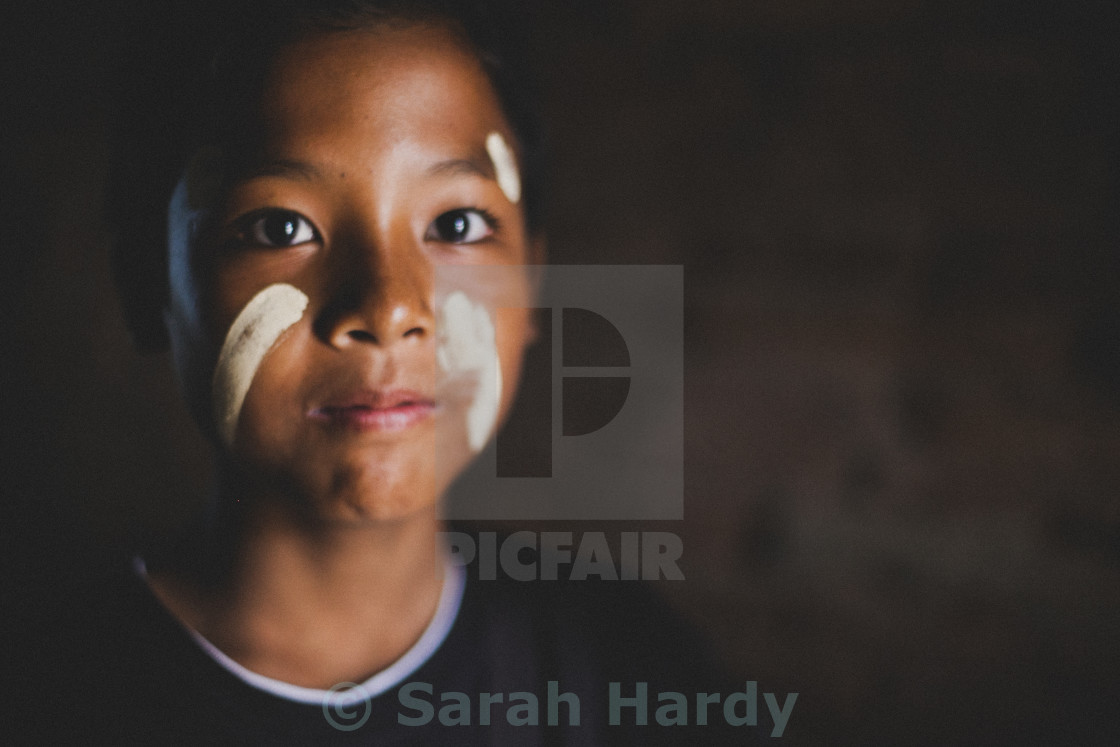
(505, 166)
(251, 336)
(466, 345)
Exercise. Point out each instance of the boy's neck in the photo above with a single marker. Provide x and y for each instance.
(312, 605)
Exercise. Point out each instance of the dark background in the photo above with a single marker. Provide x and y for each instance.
(898, 222)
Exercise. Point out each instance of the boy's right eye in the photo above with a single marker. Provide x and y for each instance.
(280, 228)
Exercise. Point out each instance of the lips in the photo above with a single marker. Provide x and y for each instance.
(379, 410)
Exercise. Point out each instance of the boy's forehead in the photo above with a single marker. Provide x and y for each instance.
(333, 95)
(389, 77)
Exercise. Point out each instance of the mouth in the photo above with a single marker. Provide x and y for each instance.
(385, 411)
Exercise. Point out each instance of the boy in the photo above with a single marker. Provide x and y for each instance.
(317, 164)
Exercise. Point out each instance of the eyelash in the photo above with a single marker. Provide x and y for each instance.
(251, 230)
(491, 221)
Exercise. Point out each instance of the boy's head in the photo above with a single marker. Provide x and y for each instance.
(337, 163)
(191, 77)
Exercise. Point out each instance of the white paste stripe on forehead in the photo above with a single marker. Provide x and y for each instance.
(505, 166)
(252, 334)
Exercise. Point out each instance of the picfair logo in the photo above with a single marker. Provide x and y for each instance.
(598, 429)
(594, 386)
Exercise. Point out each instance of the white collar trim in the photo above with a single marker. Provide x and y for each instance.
(451, 595)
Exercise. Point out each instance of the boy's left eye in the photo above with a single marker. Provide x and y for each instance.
(462, 226)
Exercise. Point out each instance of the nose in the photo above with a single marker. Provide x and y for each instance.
(381, 295)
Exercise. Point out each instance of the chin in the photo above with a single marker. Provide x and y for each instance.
(370, 514)
(359, 502)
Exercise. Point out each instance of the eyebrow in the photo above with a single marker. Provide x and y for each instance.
(308, 172)
(283, 167)
(456, 166)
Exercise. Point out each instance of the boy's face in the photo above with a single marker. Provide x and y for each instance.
(357, 381)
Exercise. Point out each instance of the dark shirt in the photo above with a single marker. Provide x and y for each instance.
(131, 674)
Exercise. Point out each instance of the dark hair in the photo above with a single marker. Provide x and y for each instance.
(190, 73)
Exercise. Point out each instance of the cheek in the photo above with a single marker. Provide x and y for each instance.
(483, 326)
(467, 354)
(251, 337)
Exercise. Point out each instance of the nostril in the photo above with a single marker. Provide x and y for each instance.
(414, 332)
